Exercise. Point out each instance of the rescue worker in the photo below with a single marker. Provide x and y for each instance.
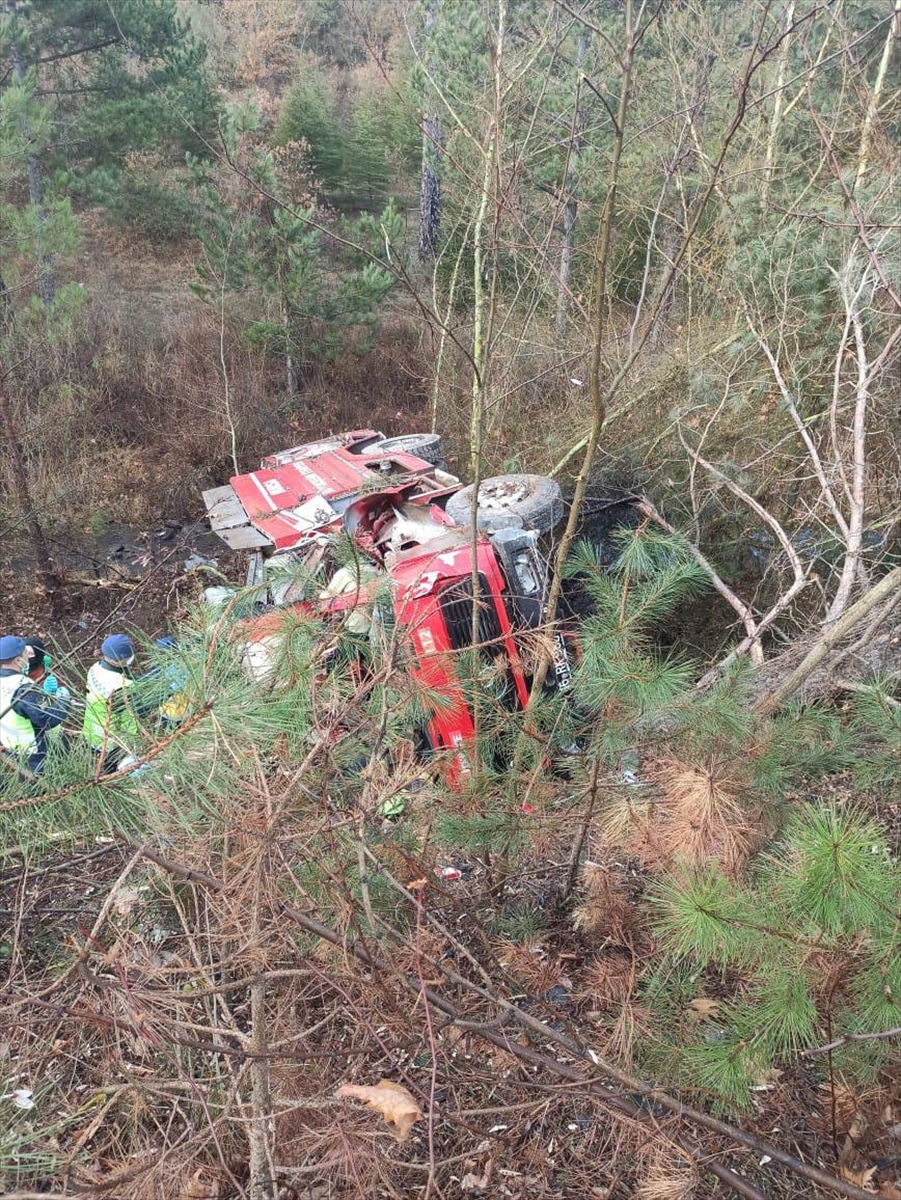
(27, 715)
(111, 709)
(40, 662)
(39, 670)
(174, 680)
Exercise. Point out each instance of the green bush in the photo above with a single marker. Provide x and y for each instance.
(160, 212)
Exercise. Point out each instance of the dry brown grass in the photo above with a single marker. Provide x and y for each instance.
(698, 813)
(126, 421)
(665, 1174)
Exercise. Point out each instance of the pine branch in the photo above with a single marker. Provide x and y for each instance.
(882, 1035)
(110, 41)
(117, 775)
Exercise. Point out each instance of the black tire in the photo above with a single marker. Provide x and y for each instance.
(427, 446)
(368, 446)
(505, 501)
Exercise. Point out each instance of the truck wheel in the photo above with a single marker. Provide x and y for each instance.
(368, 446)
(427, 446)
(532, 501)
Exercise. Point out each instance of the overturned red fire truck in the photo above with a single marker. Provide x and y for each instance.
(410, 521)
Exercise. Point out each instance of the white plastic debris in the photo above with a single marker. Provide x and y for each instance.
(21, 1097)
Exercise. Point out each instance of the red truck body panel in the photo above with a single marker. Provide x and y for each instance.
(425, 586)
(284, 501)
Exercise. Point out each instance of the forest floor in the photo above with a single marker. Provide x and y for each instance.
(499, 1128)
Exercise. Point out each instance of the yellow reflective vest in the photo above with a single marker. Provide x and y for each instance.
(108, 724)
(16, 732)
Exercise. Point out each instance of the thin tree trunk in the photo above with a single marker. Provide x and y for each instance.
(445, 324)
(47, 283)
(6, 306)
(893, 35)
(778, 104)
(262, 1183)
(430, 180)
(666, 287)
(482, 330)
(571, 209)
(857, 491)
(291, 376)
(599, 299)
(45, 569)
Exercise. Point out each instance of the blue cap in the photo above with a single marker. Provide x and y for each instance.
(11, 647)
(118, 648)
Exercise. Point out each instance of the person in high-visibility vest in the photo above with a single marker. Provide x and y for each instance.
(26, 713)
(111, 708)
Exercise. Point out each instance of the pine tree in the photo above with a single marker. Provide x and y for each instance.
(309, 115)
(91, 84)
(300, 297)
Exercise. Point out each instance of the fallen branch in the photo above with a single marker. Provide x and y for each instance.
(179, 870)
(618, 1102)
(621, 1102)
(885, 588)
(881, 1036)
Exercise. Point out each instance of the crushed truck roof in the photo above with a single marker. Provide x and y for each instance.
(299, 492)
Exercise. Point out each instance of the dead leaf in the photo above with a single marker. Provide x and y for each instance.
(472, 1182)
(765, 1079)
(888, 1191)
(202, 1185)
(416, 885)
(703, 1008)
(861, 1179)
(390, 1099)
(126, 898)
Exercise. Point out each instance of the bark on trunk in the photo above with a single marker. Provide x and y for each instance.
(430, 177)
(262, 1183)
(570, 210)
